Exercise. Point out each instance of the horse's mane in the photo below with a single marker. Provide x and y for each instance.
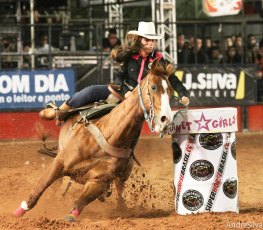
(159, 69)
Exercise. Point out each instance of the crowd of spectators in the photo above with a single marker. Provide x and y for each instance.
(43, 46)
(232, 50)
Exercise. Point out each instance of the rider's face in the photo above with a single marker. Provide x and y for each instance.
(148, 44)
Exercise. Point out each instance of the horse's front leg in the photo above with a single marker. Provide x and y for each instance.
(52, 173)
(120, 182)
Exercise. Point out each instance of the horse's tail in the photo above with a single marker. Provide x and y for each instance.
(44, 135)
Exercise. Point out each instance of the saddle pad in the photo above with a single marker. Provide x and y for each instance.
(96, 111)
(64, 115)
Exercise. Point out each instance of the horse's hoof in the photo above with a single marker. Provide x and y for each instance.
(19, 212)
(70, 218)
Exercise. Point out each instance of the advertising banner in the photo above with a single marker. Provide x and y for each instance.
(219, 86)
(25, 89)
(204, 120)
(214, 8)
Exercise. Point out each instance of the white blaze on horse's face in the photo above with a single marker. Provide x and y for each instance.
(165, 117)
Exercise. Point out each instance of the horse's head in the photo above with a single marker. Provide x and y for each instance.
(156, 93)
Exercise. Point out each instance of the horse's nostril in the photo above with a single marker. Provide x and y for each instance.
(163, 118)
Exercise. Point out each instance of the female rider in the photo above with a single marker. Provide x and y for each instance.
(135, 56)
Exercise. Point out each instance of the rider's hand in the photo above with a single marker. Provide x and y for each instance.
(185, 101)
(127, 94)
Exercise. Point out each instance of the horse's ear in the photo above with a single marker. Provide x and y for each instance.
(155, 63)
(170, 68)
(157, 68)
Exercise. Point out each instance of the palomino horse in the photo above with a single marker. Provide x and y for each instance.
(98, 153)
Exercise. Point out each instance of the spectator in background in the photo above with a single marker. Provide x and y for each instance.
(216, 56)
(228, 42)
(111, 41)
(232, 57)
(182, 49)
(44, 46)
(42, 51)
(37, 17)
(8, 45)
(251, 52)
(233, 37)
(191, 42)
(197, 55)
(239, 46)
(26, 56)
(208, 47)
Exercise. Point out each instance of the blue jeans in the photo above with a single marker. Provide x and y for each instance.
(88, 95)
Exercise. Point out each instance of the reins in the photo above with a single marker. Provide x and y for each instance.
(148, 117)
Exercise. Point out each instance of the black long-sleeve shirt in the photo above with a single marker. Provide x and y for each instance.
(128, 73)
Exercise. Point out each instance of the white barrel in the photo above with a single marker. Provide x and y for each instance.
(204, 148)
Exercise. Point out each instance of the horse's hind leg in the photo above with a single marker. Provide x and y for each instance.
(98, 181)
(90, 191)
(53, 172)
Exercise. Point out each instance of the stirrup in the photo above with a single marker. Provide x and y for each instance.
(52, 105)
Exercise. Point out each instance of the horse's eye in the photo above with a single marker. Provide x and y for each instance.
(154, 88)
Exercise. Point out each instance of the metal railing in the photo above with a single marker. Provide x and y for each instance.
(80, 44)
(88, 38)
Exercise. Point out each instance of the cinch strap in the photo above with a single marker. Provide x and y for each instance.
(105, 146)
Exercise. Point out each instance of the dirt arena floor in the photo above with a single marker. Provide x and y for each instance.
(149, 191)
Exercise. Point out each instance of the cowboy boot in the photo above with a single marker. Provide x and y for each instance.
(50, 113)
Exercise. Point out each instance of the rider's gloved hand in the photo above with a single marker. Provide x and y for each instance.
(185, 101)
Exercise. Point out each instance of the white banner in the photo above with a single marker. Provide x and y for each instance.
(216, 8)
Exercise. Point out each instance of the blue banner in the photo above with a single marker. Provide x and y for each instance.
(26, 89)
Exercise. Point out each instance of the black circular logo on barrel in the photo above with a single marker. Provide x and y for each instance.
(211, 141)
(177, 152)
(192, 200)
(201, 170)
(233, 150)
(230, 187)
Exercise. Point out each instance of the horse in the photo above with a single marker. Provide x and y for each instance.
(99, 152)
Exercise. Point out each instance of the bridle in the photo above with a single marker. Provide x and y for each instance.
(148, 117)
